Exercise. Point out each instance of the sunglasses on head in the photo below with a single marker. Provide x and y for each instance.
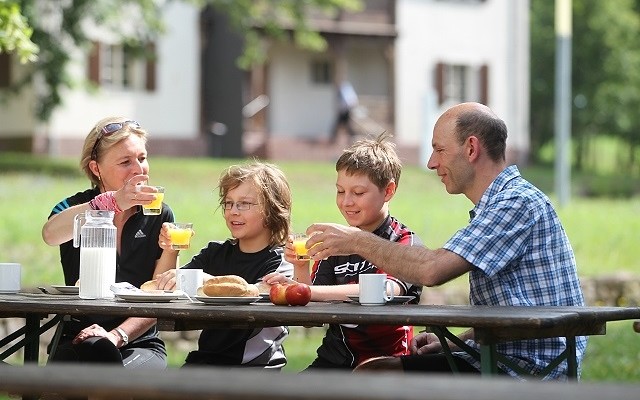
(108, 130)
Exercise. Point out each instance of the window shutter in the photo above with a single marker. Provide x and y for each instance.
(439, 82)
(150, 70)
(5, 70)
(94, 63)
(484, 85)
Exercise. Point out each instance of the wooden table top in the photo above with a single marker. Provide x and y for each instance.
(521, 321)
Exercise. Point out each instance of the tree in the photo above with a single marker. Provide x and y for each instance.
(15, 33)
(252, 18)
(605, 75)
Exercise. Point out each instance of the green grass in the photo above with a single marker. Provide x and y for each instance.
(600, 230)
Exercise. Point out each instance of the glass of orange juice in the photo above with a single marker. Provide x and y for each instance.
(299, 245)
(180, 234)
(155, 207)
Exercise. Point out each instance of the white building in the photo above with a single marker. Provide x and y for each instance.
(407, 59)
(451, 51)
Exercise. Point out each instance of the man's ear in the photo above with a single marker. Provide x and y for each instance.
(472, 148)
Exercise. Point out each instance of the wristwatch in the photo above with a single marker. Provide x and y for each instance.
(123, 335)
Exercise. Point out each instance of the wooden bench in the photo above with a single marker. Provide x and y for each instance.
(109, 382)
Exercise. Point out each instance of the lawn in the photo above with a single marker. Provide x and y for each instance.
(599, 230)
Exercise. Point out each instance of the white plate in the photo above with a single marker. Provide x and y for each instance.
(227, 300)
(66, 289)
(396, 299)
(149, 297)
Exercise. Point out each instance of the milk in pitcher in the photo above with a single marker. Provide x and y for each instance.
(97, 272)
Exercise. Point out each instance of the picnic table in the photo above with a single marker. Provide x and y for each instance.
(492, 325)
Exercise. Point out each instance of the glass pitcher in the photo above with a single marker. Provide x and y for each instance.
(95, 234)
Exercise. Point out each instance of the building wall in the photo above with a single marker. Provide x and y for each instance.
(493, 33)
(298, 107)
(303, 109)
(172, 111)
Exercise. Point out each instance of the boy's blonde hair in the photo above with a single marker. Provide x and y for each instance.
(375, 158)
(273, 191)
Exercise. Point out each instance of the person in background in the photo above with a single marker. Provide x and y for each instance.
(347, 101)
(114, 158)
(515, 248)
(368, 177)
(256, 202)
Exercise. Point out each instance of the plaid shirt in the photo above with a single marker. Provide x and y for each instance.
(522, 257)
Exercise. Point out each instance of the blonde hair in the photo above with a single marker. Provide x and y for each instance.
(274, 194)
(375, 158)
(106, 142)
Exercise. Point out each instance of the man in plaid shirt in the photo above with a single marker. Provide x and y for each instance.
(515, 248)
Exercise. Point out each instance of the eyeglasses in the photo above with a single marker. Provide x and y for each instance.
(240, 205)
(109, 130)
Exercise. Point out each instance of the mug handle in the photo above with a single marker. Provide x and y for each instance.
(388, 290)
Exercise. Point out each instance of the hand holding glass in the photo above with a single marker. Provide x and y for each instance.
(180, 234)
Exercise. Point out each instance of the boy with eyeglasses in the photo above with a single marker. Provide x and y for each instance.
(256, 204)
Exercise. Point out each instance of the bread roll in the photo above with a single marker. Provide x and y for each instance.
(229, 286)
(149, 286)
(152, 287)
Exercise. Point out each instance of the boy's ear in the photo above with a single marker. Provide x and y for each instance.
(389, 191)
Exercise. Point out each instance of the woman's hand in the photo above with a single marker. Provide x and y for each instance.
(95, 330)
(134, 192)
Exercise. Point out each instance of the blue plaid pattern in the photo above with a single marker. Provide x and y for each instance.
(522, 257)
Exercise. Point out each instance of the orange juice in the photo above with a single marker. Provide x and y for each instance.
(155, 207)
(180, 235)
(299, 242)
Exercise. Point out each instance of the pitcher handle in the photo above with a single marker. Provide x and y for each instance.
(77, 220)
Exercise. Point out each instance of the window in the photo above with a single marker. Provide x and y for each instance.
(117, 67)
(5, 70)
(321, 72)
(457, 83)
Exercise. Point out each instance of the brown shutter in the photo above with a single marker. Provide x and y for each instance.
(439, 82)
(150, 70)
(94, 63)
(5, 70)
(484, 85)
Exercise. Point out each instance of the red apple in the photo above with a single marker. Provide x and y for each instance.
(298, 294)
(277, 294)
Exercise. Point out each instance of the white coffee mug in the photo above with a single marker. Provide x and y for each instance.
(375, 289)
(9, 277)
(189, 280)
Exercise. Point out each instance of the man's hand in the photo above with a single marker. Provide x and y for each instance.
(326, 240)
(425, 343)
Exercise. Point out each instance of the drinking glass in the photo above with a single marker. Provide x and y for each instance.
(180, 234)
(155, 207)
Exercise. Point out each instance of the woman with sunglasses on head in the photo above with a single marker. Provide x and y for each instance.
(114, 158)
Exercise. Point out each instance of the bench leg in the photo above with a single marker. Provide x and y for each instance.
(32, 341)
(488, 360)
(572, 361)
